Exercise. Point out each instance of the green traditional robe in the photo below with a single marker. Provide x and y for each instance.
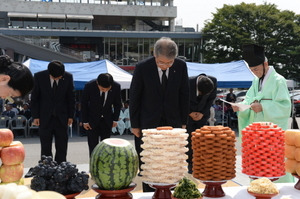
(274, 98)
(276, 104)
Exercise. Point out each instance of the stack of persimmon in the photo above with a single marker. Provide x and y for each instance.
(263, 150)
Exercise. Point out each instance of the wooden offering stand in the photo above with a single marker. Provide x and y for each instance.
(262, 196)
(115, 194)
(213, 189)
(162, 191)
(297, 185)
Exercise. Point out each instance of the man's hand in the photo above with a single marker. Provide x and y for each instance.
(114, 124)
(256, 107)
(70, 121)
(87, 126)
(137, 132)
(196, 116)
(183, 126)
(36, 122)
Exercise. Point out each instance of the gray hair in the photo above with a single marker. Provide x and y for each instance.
(166, 47)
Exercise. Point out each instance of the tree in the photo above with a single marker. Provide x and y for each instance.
(278, 31)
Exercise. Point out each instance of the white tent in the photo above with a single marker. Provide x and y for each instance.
(84, 72)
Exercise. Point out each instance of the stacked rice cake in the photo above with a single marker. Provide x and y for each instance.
(164, 155)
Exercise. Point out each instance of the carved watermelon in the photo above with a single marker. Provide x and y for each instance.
(114, 164)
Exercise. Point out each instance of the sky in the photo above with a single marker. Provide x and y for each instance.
(193, 12)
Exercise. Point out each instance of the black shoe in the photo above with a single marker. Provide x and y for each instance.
(29, 174)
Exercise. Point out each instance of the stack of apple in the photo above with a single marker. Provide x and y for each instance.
(12, 154)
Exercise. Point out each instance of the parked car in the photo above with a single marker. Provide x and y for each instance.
(221, 93)
(240, 95)
(295, 97)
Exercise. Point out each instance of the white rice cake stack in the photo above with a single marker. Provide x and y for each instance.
(164, 155)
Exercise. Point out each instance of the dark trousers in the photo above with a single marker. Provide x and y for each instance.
(191, 127)
(102, 131)
(60, 132)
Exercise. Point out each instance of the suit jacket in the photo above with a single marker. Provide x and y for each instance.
(207, 100)
(43, 100)
(147, 102)
(91, 108)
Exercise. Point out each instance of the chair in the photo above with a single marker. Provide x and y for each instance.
(31, 126)
(220, 119)
(19, 122)
(4, 121)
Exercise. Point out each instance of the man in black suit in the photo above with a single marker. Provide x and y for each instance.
(52, 108)
(159, 92)
(98, 98)
(202, 95)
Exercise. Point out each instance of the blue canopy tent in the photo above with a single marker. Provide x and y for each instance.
(229, 75)
(84, 72)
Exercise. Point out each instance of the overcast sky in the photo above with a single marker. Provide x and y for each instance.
(193, 12)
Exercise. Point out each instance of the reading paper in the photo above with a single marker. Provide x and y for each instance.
(242, 107)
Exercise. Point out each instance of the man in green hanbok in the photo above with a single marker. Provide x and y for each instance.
(268, 95)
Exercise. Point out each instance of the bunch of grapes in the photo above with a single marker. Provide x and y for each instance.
(63, 178)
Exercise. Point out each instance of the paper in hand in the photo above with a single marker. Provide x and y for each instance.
(242, 107)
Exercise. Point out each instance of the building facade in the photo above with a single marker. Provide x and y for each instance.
(122, 31)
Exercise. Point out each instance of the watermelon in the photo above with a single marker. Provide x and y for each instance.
(113, 164)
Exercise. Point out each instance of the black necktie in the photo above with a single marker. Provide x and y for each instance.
(54, 87)
(199, 98)
(102, 98)
(164, 80)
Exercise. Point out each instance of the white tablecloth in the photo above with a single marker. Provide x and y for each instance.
(286, 190)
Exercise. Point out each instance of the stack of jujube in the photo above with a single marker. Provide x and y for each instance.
(292, 151)
(164, 155)
(214, 153)
(263, 150)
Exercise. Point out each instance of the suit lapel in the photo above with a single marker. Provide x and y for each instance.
(96, 90)
(49, 85)
(171, 77)
(59, 87)
(155, 76)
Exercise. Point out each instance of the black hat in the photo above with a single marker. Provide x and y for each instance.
(253, 54)
(56, 68)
